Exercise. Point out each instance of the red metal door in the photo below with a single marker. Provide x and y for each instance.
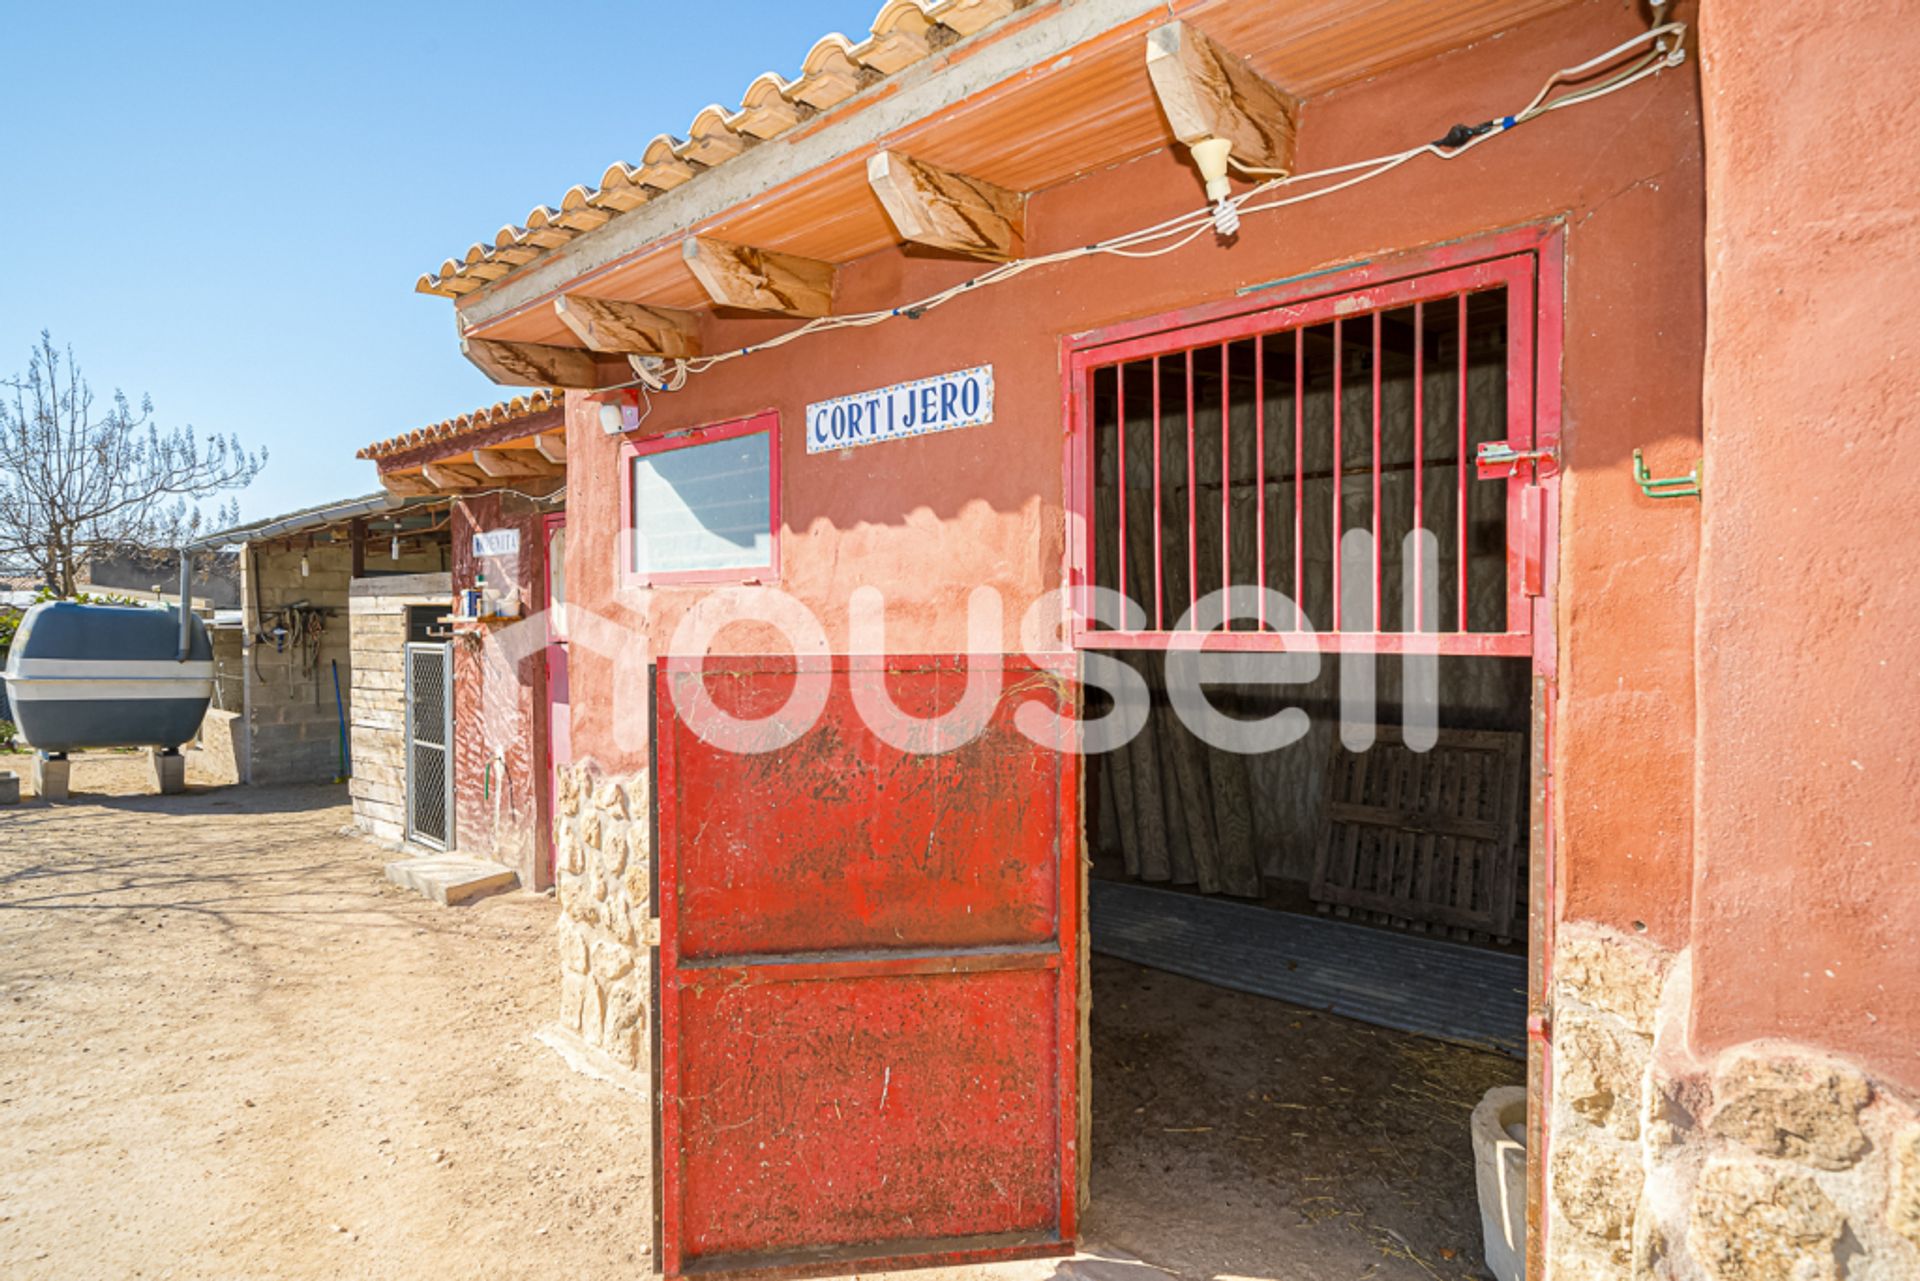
(868, 980)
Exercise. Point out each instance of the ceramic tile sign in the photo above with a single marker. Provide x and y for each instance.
(496, 542)
(940, 403)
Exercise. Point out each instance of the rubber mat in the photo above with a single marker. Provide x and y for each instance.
(1467, 995)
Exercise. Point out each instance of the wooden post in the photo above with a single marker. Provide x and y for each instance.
(357, 535)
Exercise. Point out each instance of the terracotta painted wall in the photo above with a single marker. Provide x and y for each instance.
(499, 704)
(929, 518)
(1809, 843)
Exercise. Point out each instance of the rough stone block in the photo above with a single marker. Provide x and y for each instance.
(625, 1018)
(573, 950)
(611, 800)
(591, 830)
(1801, 1108)
(593, 1012)
(1754, 1222)
(1615, 974)
(1603, 1068)
(1903, 1200)
(52, 779)
(1574, 1258)
(1596, 1184)
(573, 996)
(611, 961)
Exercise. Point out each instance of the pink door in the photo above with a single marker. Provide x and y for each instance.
(559, 719)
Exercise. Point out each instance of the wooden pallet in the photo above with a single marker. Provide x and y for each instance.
(1426, 839)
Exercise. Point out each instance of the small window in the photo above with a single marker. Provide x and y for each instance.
(704, 506)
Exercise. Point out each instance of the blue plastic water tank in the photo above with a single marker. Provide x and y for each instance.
(84, 676)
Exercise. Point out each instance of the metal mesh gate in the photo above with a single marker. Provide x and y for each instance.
(429, 745)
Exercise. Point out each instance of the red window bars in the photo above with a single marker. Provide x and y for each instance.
(1390, 388)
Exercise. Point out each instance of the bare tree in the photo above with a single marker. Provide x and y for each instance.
(77, 480)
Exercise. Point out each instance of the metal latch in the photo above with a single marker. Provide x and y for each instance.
(1499, 460)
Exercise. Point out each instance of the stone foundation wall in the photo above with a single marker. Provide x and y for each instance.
(606, 912)
(1770, 1163)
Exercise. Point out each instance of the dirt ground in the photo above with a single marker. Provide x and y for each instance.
(229, 1048)
(1239, 1136)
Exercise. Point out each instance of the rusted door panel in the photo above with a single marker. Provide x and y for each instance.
(867, 1110)
(868, 997)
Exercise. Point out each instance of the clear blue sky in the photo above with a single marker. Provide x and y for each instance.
(225, 206)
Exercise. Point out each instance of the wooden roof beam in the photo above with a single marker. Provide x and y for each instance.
(630, 328)
(526, 364)
(552, 446)
(453, 476)
(515, 464)
(760, 279)
(406, 484)
(1207, 92)
(933, 206)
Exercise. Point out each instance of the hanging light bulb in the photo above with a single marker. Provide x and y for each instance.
(304, 570)
(393, 553)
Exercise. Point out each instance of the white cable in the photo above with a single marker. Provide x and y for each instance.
(1224, 218)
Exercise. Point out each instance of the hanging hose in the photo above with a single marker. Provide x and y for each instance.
(340, 710)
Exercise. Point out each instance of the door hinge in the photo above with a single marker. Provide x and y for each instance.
(1499, 460)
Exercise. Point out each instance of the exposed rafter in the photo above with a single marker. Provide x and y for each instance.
(1206, 92)
(552, 446)
(515, 464)
(629, 328)
(453, 476)
(760, 279)
(407, 484)
(933, 206)
(525, 364)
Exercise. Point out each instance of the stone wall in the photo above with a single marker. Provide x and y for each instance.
(377, 619)
(1770, 1162)
(606, 912)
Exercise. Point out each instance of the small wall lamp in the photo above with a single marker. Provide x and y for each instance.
(619, 411)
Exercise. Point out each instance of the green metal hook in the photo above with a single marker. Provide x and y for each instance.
(1687, 486)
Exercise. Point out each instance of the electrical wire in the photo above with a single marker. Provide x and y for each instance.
(1183, 229)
